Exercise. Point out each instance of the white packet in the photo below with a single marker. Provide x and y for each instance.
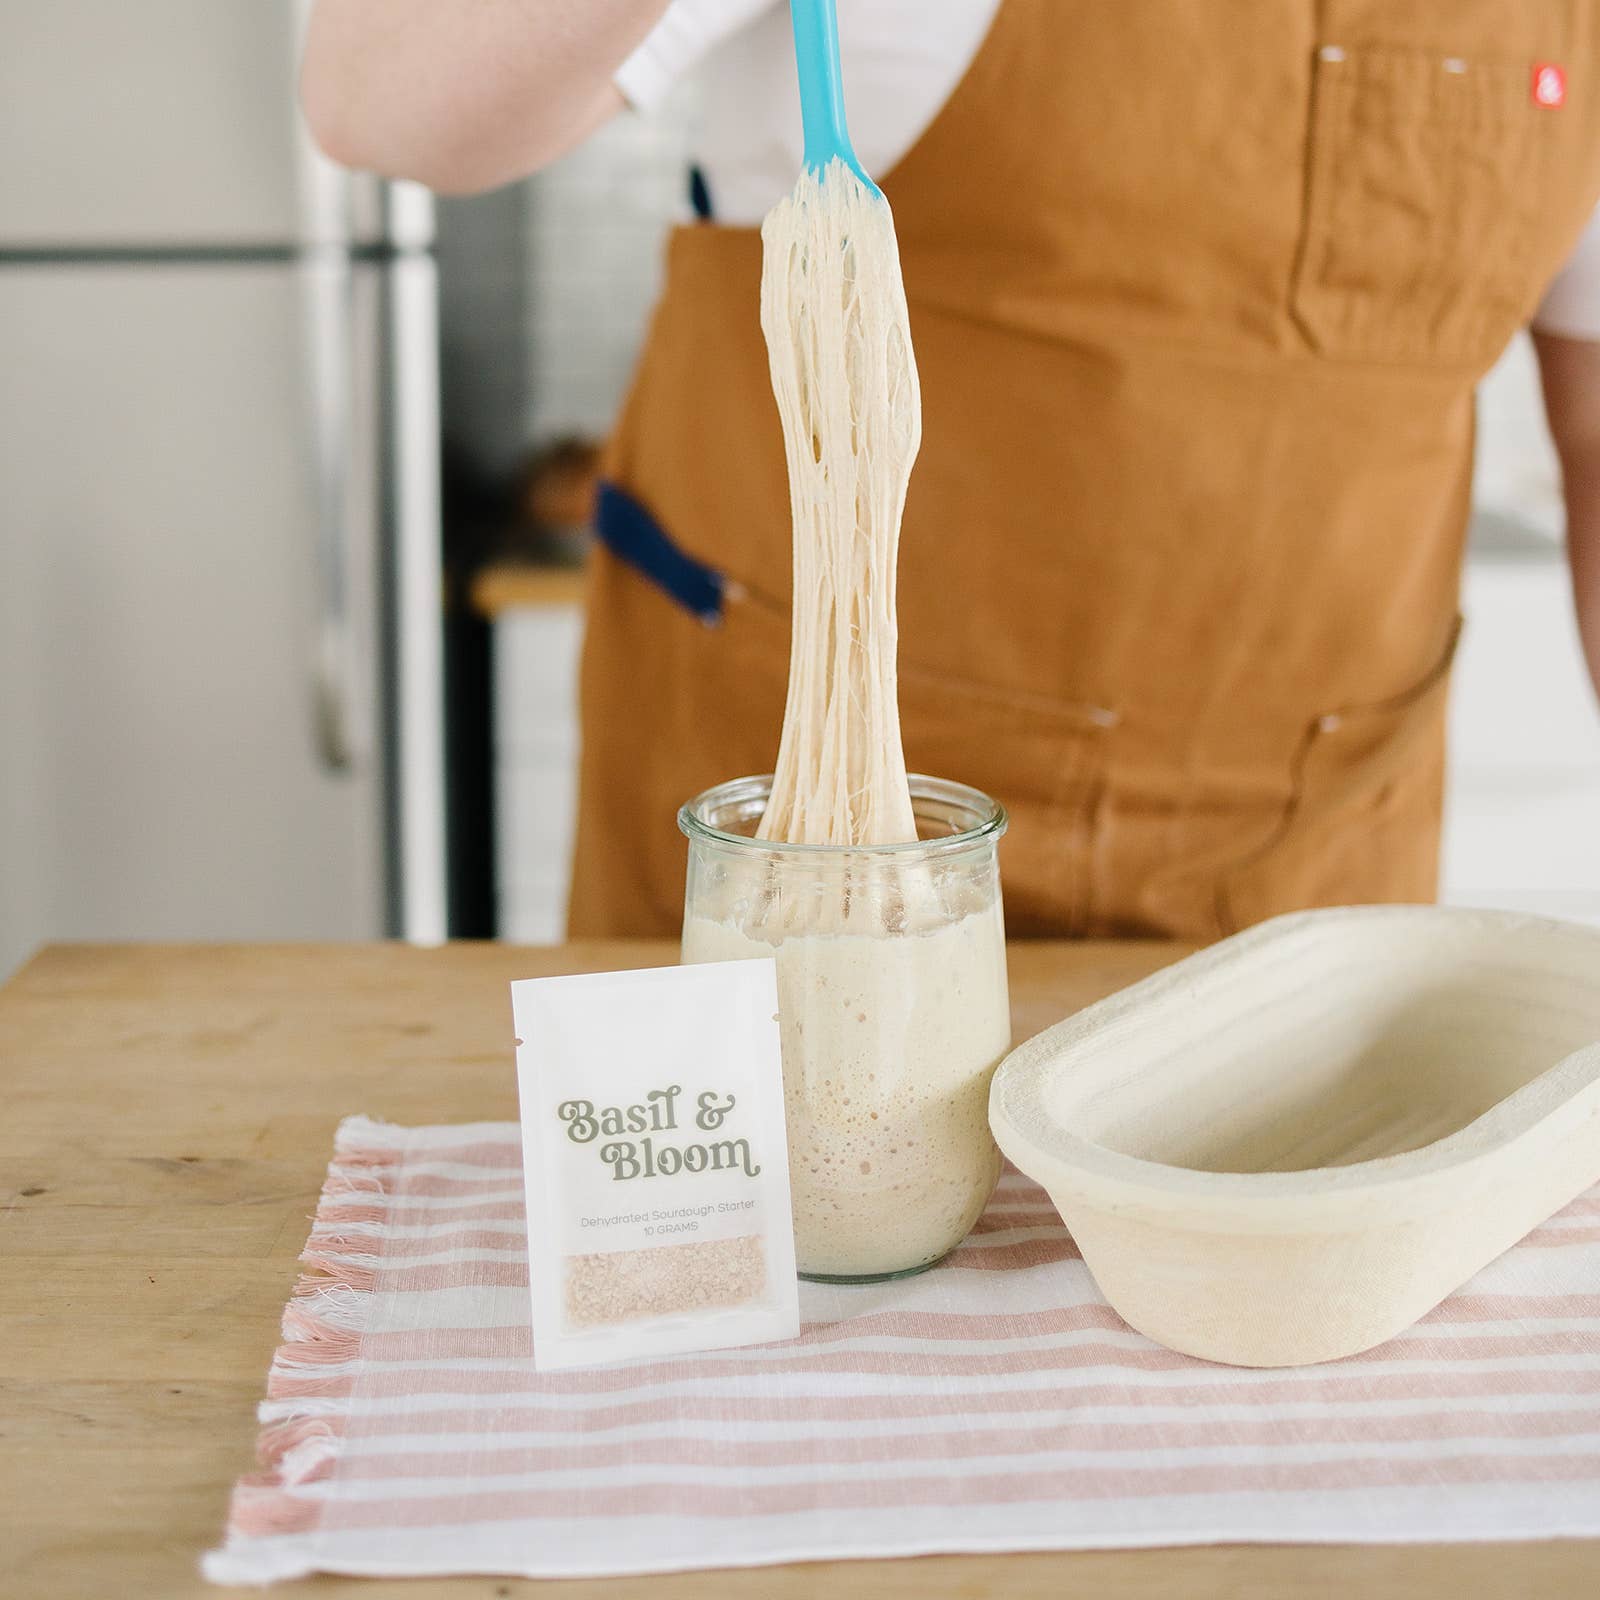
(655, 1162)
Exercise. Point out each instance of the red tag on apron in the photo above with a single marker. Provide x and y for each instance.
(1549, 85)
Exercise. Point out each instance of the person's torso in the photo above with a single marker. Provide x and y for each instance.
(1198, 312)
(901, 59)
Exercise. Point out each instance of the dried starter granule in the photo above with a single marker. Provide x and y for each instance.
(625, 1285)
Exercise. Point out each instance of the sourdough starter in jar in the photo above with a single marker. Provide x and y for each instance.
(889, 1042)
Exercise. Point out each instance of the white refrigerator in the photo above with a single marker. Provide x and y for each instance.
(220, 649)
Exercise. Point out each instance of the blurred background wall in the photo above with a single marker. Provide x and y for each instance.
(293, 498)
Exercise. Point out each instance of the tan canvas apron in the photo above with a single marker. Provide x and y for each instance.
(1199, 294)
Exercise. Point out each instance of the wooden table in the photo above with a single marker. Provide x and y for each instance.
(509, 585)
(167, 1115)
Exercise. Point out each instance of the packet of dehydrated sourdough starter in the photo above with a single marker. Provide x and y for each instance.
(655, 1161)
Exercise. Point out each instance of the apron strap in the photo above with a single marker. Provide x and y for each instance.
(700, 195)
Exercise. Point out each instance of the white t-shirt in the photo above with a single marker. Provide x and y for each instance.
(902, 59)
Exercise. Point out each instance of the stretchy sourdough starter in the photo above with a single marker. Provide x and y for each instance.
(891, 972)
(833, 309)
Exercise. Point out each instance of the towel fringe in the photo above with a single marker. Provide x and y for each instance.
(377, 1157)
(280, 1442)
(302, 1437)
(369, 1133)
(342, 1181)
(259, 1509)
(358, 1272)
(347, 1232)
(274, 1411)
(310, 1461)
(349, 1213)
(322, 1308)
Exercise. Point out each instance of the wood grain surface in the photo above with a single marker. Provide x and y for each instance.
(514, 586)
(168, 1112)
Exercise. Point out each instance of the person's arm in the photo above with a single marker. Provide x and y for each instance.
(463, 95)
(1566, 333)
(1570, 370)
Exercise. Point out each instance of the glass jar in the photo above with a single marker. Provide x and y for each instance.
(894, 1014)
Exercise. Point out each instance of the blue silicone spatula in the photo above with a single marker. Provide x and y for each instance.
(816, 53)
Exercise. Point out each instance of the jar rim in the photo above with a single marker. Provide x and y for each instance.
(992, 820)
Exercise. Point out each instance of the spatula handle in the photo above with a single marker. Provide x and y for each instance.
(816, 52)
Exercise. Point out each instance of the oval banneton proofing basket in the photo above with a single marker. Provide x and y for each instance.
(1289, 1147)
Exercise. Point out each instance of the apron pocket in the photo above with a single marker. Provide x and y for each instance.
(671, 706)
(1044, 760)
(1425, 182)
(1362, 822)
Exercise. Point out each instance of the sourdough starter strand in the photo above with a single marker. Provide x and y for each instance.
(833, 309)
(891, 980)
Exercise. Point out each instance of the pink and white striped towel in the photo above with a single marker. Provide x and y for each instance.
(994, 1403)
